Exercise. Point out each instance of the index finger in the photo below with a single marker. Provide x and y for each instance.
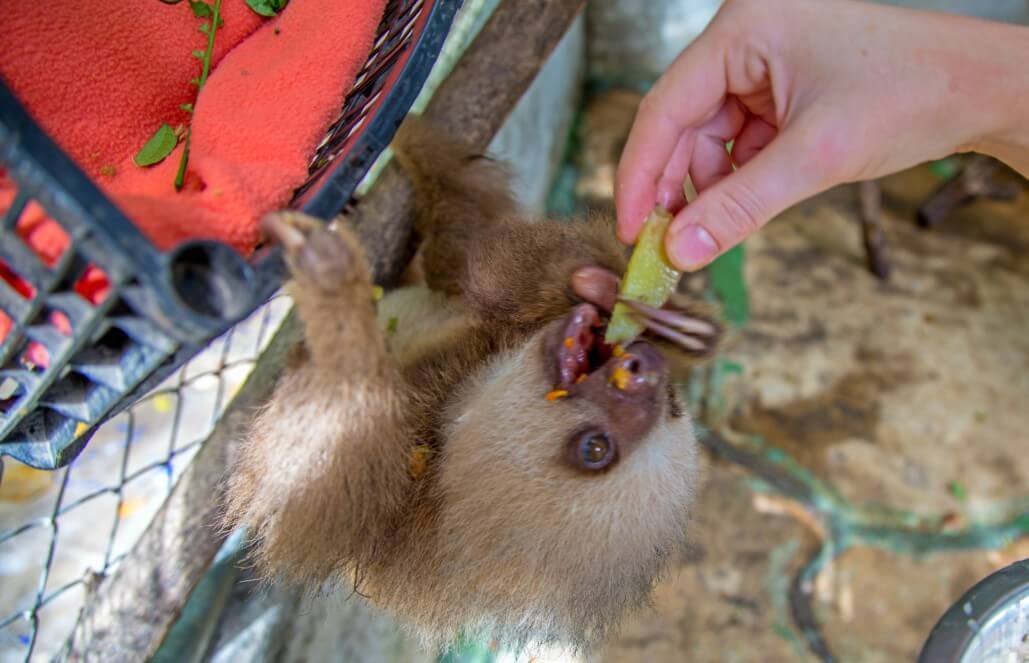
(685, 96)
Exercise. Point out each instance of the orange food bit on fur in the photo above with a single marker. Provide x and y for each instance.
(620, 377)
(419, 460)
(556, 394)
(569, 342)
(581, 379)
(617, 351)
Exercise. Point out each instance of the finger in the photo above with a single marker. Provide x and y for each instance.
(737, 205)
(711, 160)
(669, 189)
(756, 133)
(689, 93)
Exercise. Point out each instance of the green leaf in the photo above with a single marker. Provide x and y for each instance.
(945, 169)
(199, 55)
(958, 491)
(730, 285)
(200, 8)
(205, 27)
(391, 325)
(157, 148)
(187, 107)
(267, 8)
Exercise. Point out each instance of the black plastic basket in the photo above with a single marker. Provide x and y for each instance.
(162, 307)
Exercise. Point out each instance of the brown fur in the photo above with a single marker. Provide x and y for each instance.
(497, 536)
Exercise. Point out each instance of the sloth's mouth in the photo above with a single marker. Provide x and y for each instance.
(582, 349)
(578, 352)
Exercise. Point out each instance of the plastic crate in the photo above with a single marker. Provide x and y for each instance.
(162, 307)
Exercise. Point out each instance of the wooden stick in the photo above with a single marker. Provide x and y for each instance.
(877, 252)
(975, 181)
(132, 611)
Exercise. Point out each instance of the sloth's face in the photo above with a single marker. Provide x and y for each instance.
(582, 495)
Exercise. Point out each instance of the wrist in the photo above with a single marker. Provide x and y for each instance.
(1003, 101)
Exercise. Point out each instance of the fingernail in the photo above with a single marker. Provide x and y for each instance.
(693, 247)
(669, 196)
(665, 195)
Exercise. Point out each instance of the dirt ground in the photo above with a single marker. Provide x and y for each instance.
(899, 410)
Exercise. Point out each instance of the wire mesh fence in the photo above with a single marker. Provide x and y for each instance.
(63, 531)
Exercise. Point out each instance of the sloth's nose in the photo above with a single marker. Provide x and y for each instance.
(638, 371)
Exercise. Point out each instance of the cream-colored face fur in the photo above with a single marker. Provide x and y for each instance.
(579, 543)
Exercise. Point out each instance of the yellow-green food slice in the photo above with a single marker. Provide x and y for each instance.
(650, 278)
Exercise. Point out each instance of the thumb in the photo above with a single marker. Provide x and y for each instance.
(729, 211)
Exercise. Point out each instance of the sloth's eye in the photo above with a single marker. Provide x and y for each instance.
(592, 450)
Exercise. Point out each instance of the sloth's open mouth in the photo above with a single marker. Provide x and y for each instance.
(579, 352)
(582, 348)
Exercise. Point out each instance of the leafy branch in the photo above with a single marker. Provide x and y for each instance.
(267, 8)
(165, 139)
(210, 28)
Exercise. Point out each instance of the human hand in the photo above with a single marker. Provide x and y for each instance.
(813, 94)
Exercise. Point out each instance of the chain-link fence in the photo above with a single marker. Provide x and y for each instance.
(62, 531)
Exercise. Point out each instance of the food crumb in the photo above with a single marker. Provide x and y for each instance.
(620, 378)
(108, 170)
(952, 521)
(419, 460)
(556, 394)
(569, 342)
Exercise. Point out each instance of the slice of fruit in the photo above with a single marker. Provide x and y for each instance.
(650, 278)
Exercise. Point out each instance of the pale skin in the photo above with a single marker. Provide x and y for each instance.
(814, 93)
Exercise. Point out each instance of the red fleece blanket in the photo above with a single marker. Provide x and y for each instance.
(101, 77)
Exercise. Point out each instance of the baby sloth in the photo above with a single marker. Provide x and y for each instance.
(473, 457)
